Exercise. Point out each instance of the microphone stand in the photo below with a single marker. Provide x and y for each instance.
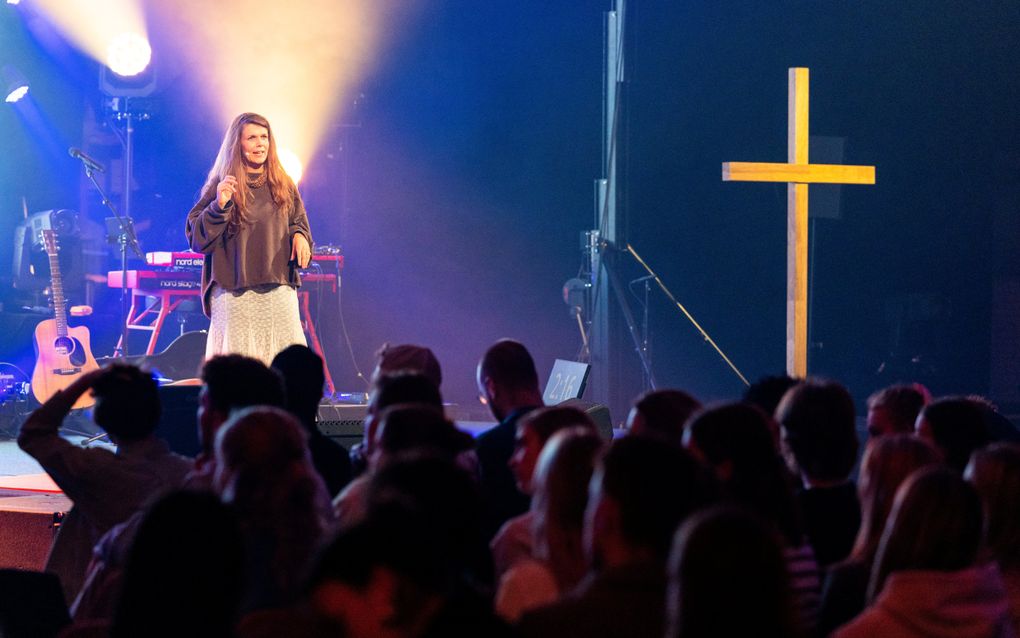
(644, 347)
(125, 238)
(578, 313)
(628, 315)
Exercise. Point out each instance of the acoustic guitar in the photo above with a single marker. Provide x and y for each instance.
(62, 354)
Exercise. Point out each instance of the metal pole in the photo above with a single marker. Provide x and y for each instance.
(129, 159)
(129, 130)
(607, 224)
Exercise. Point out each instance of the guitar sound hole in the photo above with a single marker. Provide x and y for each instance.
(64, 346)
(72, 349)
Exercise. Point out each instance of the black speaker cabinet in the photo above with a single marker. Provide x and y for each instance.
(178, 425)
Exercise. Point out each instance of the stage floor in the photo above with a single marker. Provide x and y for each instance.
(31, 506)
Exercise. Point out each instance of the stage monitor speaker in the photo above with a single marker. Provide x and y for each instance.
(597, 412)
(343, 423)
(178, 425)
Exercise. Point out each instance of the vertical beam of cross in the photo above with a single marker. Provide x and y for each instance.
(797, 226)
(797, 173)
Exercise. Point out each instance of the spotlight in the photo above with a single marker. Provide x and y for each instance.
(15, 86)
(291, 164)
(128, 54)
(13, 1)
(129, 71)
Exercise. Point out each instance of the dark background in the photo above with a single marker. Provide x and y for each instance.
(459, 180)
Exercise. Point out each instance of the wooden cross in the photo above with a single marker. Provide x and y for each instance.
(797, 173)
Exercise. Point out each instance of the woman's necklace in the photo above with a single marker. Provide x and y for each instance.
(259, 181)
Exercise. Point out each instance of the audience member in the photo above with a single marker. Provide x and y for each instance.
(767, 392)
(400, 428)
(557, 560)
(728, 579)
(437, 487)
(409, 567)
(662, 414)
(32, 604)
(995, 474)
(927, 580)
(303, 381)
(508, 383)
(391, 388)
(736, 442)
(264, 470)
(230, 382)
(893, 409)
(410, 427)
(956, 426)
(106, 487)
(514, 539)
(407, 358)
(998, 427)
(384, 578)
(184, 572)
(639, 494)
(819, 440)
(888, 461)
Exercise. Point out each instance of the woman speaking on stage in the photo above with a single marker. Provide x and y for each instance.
(251, 225)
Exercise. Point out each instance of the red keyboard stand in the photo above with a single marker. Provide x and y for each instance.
(150, 308)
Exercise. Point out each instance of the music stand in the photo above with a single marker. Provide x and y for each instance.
(120, 230)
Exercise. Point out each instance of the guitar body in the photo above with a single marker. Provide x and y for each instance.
(60, 360)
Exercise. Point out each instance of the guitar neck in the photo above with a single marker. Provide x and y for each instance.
(57, 287)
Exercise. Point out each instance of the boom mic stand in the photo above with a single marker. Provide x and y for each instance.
(125, 237)
(604, 245)
(645, 346)
(603, 260)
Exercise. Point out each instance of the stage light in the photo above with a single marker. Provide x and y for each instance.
(15, 85)
(128, 54)
(296, 63)
(13, 1)
(16, 94)
(291, 163)
(97, 26)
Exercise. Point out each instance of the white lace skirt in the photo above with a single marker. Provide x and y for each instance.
(255, 323)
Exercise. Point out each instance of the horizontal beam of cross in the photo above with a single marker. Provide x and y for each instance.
(797, 173)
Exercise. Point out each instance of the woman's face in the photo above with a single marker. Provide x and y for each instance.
(527, 447)
(255, 144)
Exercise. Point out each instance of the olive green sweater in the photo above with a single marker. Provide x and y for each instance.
(250, 255)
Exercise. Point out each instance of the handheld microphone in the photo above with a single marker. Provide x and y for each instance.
(89, 163)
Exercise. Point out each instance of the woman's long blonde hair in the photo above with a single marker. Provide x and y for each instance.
(230, 161)
(888, 461)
